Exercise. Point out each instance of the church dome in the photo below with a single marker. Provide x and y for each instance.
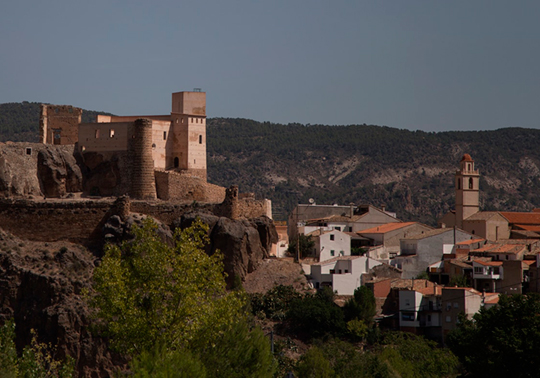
(466, 157)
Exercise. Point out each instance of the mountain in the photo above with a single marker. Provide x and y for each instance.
(410, 172)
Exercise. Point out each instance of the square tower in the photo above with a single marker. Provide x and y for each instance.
(188, 117)
(467, 190)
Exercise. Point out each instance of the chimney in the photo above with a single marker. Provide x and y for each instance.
(383, 208)
(352, 210)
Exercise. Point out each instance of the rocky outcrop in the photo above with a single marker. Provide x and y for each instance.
(33, 169)
(244, 243)
(40, 288)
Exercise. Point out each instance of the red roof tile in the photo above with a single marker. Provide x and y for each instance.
(386, 228)
(489, 263)
(522, 218)
(470, 241)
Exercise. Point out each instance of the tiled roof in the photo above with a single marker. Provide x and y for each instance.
(435, 290)
(522, 218)
(529, 262)
(535, 228)
(461, 264)
(386, 228)
(500, 248)
(492, 299)
(466, 242)
(466, 157)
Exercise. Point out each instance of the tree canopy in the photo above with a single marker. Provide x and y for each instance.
(149, 296)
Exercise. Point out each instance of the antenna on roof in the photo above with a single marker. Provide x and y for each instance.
(196, 89)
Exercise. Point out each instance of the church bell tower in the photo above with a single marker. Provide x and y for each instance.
(467, 190)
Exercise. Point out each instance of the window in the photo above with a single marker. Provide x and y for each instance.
(200, 139)
(177, 120)
(332, 271)
(176, 162)
(29, 150)
(478, 270)
(458, 183)
(346, 270)
(337, 228)
(341, 253)
(164, 135)
(470, 183)
(332, 252)
(448, 319)
(97, 134)
(111, 133)
(456, 305)
(507, 257)
(496, 270)
(331, 237)
(339, 271)
(350, 229)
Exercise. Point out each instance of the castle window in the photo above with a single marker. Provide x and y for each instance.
(458, 183)
(97, 134)
(470, 183)
(176, 162)
(29, 150)
(164, 135)
(111, 133)
(194, 161)
(153, 146)
(177, 120)
(182, 120)
(200, 139)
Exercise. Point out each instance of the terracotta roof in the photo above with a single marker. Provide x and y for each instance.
(469, 289)
(384, 228)
(528, 227)
(522, 218)
(489, 263)
(492, 299)
(466, 157)
(501, 248)
(466, 242)
(529, 262)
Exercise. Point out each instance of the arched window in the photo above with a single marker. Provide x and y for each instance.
(176, 162)
(470, 183)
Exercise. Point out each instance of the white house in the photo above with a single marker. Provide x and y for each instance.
(343, 274)
(420, 311)
(330, 244)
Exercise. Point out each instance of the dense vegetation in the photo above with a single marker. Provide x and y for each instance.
(411, 172)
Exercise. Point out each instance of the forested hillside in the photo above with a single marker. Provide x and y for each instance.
(411, 172)
(19, 121)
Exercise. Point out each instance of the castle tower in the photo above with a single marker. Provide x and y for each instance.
(188, 117)
(59, 124)
(467, 190)
(143, 184)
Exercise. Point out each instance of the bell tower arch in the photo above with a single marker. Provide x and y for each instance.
(467, 182)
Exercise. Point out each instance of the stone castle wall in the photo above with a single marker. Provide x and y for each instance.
(59, 124)
(181, 186)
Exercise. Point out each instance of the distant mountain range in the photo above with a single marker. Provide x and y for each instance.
(410, 172)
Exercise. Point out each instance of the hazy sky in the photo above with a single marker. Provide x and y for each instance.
(430, 65)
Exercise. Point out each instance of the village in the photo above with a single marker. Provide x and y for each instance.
(422, 277)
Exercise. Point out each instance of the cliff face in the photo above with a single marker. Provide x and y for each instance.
(40, 288)
(34, 169)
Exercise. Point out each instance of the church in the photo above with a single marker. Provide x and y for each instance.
(490, 225)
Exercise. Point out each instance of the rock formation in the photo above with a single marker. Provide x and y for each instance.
(244, 243)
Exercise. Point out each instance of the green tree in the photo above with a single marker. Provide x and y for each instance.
(361, 306)
(306, 246)
(147, 294)
(316, 315)
(36, 360)
(313, 364)
(459, 281)
(501, 341)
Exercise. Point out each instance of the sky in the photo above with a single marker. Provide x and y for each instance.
(428, 65)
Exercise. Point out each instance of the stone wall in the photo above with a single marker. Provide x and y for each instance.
(59, 124)
(141, 161)
(52, 220)
(181, 186)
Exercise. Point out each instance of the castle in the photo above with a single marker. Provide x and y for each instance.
(146, 157)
